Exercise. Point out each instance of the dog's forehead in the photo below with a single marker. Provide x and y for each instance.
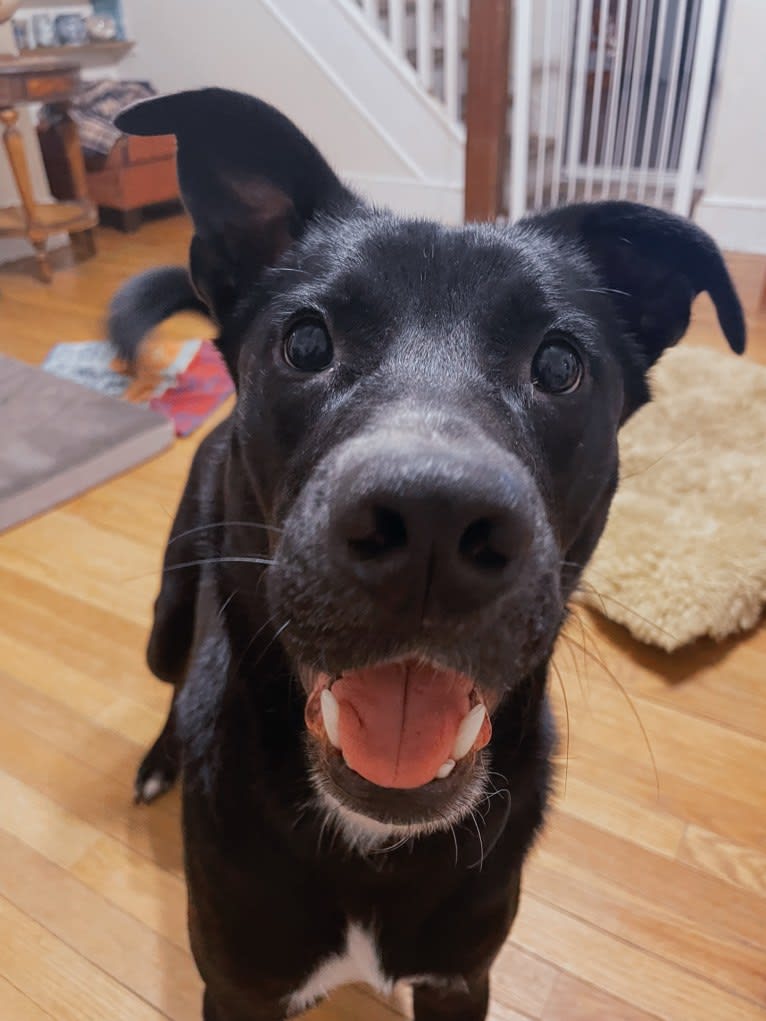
(431, 265)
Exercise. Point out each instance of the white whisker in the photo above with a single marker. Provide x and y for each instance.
(261, 561)
(223, 524)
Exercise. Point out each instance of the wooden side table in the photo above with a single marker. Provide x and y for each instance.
(43, 80)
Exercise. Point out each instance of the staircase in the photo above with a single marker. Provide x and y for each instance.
(397, 63)
(588, 98)
(612, 97)
(432, 36)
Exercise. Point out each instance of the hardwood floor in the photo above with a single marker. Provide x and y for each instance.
(646, 897)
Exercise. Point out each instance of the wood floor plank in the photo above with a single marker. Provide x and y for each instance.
(46, 674)
(649, 828)
(701, 899)
(712, 955)
(522, 982)
(42, 824)
(58, 979)
(632, 776)
(104, 802)
(743, 866)
(644, 980)
(15, 1006)
(97, 641)
(726, 685)
(137, 886)
(108, 942)
(573, 1000)
(676, 741)
(499, 1012)
(354, 1004)
(113, 569)
(60, 727)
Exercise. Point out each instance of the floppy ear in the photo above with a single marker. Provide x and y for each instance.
(249, 178)
(654, 265)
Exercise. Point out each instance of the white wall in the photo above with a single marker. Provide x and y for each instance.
(733, 207)
(325, 72)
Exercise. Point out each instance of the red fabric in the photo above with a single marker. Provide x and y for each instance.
(197, 392)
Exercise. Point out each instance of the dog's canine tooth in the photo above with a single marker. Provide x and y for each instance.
(331, 716)
(446, 769)
(469, 731)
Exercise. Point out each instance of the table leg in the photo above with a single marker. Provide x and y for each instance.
(67, 130)
(14, 146)
(43, 264)
(83, 243)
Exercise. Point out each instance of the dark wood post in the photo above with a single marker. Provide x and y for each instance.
(489, 33)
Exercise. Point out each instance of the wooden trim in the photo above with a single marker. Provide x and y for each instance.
(36, 84)
(107, 48)
(486, 107)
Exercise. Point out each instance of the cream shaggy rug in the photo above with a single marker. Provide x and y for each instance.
(684, 552)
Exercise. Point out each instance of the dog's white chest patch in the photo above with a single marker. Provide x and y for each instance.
(359, 962)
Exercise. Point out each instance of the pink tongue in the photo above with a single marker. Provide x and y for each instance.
(399, 721)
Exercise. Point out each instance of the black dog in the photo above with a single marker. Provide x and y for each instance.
(373, 555)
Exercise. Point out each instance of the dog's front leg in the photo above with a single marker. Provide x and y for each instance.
(466, 1004)
(216, 1009)
(161, 765)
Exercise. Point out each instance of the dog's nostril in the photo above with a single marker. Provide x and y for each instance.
(478, 546)
(384, 532)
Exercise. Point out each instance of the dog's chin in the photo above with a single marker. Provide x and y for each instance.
(395, 748)
(371, 817)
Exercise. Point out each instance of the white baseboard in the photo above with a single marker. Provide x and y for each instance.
(738, 225)
(433, 200)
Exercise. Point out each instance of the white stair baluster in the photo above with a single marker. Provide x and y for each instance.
(646, 146)
(542, 133)
(609, 155)
(595, 109)
(664, 176)
(559, 136)
(396, 27)
(424, 13)
(636, 96)
(574, 141)
(699, 89)
(522, 87)
(452, 58)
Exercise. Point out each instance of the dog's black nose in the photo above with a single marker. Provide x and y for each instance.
(442, 534)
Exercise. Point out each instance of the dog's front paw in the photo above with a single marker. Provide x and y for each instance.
(157, 773)
(149, 788)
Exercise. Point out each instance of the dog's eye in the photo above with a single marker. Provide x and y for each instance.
(556, 368)
(308, 346)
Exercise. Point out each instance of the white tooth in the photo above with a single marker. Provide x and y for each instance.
(446, 769)
(331, 716)
(469, 731)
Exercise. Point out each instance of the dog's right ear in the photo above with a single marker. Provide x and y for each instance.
(249, 178)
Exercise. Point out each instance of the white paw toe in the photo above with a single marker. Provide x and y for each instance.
(152, 788)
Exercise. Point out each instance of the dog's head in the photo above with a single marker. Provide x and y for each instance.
(428, 419)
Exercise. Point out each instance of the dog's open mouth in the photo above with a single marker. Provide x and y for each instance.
(399, 725)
